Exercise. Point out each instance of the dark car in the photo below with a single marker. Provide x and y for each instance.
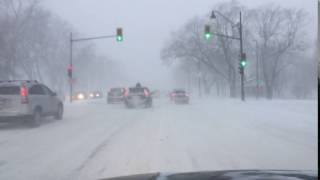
(179, 96)
(116, 95)
(95, 95)
(138, 97)
(227, 175)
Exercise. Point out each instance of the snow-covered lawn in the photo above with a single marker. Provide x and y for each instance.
(97, 140)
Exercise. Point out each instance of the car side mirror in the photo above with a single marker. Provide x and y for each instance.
(54, 94)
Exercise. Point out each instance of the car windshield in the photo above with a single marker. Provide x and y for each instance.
(95, 89)
(179, 92)
(116, 91)
(136, 90)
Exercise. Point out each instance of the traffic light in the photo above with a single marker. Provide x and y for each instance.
(119, 35)
(242, 63)
(207, 32)
(243, 60)
(70, 71)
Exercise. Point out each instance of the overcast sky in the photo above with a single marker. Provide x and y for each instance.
(147, 24)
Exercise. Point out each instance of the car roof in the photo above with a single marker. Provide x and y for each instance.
(116, 88)
(179, 90)
(142, 87)
(17, 82)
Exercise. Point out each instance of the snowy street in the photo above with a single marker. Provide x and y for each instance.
(96, 140)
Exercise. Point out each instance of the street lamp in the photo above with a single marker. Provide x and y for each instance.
(243, 62)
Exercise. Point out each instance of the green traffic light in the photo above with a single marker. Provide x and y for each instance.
(243, 63)
(119, 38)
(207, 36)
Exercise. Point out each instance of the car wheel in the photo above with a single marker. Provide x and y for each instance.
(148, 105)
(128, 106)
(59, 113)
(36, 118)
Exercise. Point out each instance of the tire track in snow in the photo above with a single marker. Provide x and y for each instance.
(2, 163)
(194, 162)
(99, 148)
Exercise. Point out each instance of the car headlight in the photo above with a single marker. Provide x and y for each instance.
(91, 95)
(80, 96)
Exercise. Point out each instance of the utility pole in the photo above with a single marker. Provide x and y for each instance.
(71, 70)
(189, 80)
(199, 80)
(241, 58)
(257, 72)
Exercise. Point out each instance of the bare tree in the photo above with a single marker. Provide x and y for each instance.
(279, 33)
(35, 45)
(14, 15)
(189, 47)
(219, 55)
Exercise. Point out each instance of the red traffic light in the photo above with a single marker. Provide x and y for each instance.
(69, 71)
(69, 67)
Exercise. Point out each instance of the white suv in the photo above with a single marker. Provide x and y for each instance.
(28, 100)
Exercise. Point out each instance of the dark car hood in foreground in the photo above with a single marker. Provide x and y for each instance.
(226, 175)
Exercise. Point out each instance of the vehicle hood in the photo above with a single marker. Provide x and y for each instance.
(226, 175)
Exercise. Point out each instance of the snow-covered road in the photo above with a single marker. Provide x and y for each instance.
(97, 140)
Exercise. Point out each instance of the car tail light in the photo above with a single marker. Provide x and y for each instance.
(23, 94)
(146, 93)
(173, 94)
(126, 92)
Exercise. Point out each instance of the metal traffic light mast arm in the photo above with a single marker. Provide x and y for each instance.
(213, 16)
(226, 36)
(93, 38)
(72, 40)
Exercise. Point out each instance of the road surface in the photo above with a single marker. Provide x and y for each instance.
(97, 140)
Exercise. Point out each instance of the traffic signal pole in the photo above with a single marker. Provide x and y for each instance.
(119, 38)
(242, 60)
(241, 56)
(71, 66)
